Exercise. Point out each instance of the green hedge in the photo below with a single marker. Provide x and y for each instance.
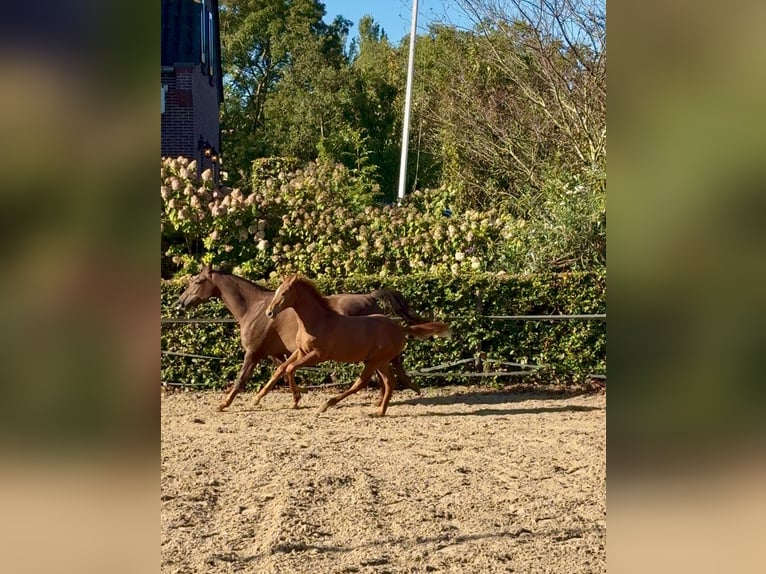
(571, 349)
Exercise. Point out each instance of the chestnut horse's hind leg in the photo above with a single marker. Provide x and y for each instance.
(388, 385)
(359, 383)
(244, 375)
(399, 380)
(381, 386)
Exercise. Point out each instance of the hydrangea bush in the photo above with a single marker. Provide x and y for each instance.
(312, 220)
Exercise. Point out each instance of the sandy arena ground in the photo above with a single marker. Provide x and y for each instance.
(457, 480)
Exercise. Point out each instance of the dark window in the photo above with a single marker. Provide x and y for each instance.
(211, 42)
(203, 38)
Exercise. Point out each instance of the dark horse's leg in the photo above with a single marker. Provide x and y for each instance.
(402, 377)
(244, 375)
(359, 383)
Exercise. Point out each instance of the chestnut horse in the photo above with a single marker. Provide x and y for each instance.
(261, 337)
(325, 335)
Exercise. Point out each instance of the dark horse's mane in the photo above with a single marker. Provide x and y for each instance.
(325, 304)
(228, 273)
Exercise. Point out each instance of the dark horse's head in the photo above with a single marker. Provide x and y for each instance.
(201, 288)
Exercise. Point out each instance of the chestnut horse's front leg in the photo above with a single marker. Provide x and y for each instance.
(280, 370)
(311, 358)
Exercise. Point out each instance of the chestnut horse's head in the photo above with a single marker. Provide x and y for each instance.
(284, 297)
(201, 288)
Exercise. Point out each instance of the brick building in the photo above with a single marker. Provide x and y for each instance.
(191, 83)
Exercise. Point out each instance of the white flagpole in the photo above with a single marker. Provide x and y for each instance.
(407, 102)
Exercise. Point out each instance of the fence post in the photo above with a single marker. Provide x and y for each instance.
(477, 363)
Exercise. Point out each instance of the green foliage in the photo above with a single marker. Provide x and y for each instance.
(321, 220)
(570, 349)
(265, 43)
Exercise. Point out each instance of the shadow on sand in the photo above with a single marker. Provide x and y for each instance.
(496, 398)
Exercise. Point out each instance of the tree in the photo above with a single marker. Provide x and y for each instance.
(258, 42)
(520, 95)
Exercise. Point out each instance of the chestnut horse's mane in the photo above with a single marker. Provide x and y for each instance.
(321, 299)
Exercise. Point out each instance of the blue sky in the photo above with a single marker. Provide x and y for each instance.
(394, 15)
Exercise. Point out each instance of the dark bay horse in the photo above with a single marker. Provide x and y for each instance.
(262, 337)
(374, 303)
(325, 335)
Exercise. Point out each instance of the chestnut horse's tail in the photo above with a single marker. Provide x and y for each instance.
(398, 305)
(432, 329)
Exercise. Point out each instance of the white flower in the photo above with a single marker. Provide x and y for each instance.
(192, 167)
(459, 256)
(207, 175)
(262, 245)
(475, 263)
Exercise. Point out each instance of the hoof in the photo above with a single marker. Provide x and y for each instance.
(222, 407)
(376, 414)
(324, 407)
(414, 387)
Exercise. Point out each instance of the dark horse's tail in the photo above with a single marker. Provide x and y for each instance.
(432, 329)
(398, 305)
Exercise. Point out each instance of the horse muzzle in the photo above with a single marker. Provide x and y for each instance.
(185, 303)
